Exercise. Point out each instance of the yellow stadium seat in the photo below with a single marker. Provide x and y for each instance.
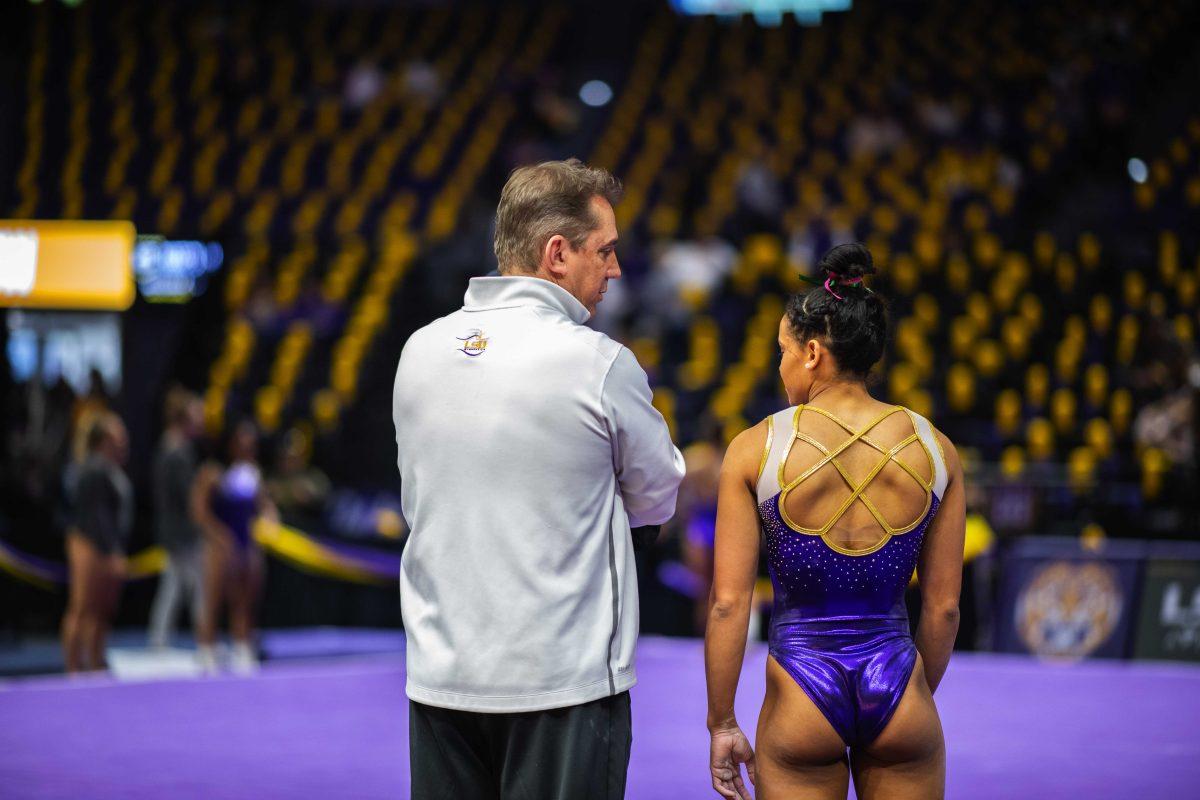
(958, 274)
(1099, 437)
(1120, 411)
(960, 388)
(1133, 290)
(1063, 409)
(1144, 196)
(926, 311)
(1066, 360)
(980, 310)
(1012, 462)
(1081, 470)
(1128, 331)
(1075, 330)
(1031, 311)
(963, 331)
(1155, 465)
(1039, 438)
(1089, 251)
(1185, 290)
(326, 408)
(1185, 330)
(902, 379)
(1095, 385)
(986, 249)
(1100, 314)
(1037, 385)
(1156, 305)
(1008, 413)
(1092, 537)
(1015, 334)
(989, 358)
(1004, 292)
(1168, 257)
(268, 403)
(214, 409)
(1065, 273)
(905, 275)
(1044, 250)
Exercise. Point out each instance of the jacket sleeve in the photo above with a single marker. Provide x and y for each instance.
(649, 467)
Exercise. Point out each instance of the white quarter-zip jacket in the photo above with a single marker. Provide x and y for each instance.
(527, 447)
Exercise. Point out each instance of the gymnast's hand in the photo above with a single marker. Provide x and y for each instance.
(729, 748)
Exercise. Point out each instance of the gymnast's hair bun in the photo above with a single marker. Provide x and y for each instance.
(847, 262)
(849, 318)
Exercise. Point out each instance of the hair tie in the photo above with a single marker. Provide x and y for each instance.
(836, 277)
(833, 279)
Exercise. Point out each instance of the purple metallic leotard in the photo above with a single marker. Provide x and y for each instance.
(840, 626)
(235, 501)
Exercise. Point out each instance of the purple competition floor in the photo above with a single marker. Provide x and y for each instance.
(338, 728)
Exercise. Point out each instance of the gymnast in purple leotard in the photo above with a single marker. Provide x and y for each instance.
(849, 495)
(227, 500)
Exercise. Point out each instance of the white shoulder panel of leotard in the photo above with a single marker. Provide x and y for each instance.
(779, 434)
(925, 431)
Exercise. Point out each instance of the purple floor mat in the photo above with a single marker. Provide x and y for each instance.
(1015, 729)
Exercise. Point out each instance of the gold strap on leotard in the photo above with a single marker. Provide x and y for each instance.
(856, 491)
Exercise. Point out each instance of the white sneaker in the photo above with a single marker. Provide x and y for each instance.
(206, 655)
(243, 661)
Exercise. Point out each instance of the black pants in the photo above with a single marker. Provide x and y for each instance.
(573, 753)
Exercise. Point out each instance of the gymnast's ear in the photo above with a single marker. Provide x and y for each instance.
(813, 352)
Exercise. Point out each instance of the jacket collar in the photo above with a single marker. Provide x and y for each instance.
(506, 291)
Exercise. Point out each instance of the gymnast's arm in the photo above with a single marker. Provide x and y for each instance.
(211, 527)
(939, 571)
(735, 565)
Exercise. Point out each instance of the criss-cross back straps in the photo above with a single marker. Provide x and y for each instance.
(856, 491)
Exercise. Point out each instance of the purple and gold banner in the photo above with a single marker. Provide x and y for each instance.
(1060, 600)
(313, 554)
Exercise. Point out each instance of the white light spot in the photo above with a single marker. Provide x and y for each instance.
(1138, 171)
(595, 93)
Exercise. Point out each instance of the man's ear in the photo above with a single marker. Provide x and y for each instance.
(554, 255)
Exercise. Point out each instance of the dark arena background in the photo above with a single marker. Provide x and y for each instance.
(259, 202)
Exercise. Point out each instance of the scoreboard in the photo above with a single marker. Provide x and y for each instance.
(66, 264)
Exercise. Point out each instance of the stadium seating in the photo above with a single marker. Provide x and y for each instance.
(244, 124)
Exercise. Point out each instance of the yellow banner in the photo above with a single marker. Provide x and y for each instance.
(66, 264)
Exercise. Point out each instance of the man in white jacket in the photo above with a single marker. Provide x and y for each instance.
(527, 448)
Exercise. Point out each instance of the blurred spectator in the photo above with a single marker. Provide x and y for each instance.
(1167, 426)
(262, 310)
(873, 135)
(363, 84)
(174, 472)
(759, 194)
(687, 273)
(102, 516)
(298, 488)
(421, 80)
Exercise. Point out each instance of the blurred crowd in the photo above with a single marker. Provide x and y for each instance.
(1043, 297)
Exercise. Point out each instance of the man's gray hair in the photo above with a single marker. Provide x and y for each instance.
(540, 201)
